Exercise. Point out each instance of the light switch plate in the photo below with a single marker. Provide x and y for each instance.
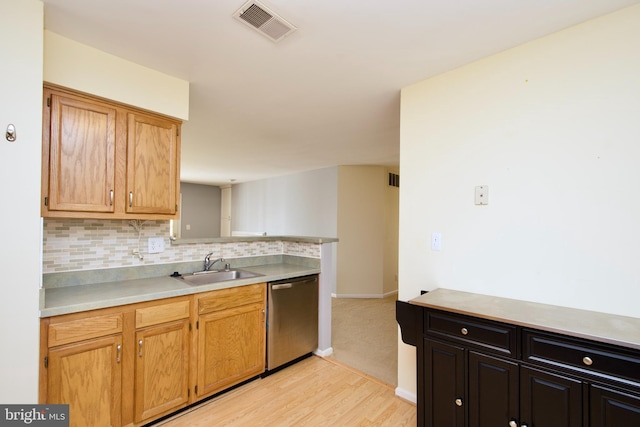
(436, 241)
(156, 245)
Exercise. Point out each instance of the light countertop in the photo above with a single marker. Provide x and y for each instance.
(72, 299)
(602, 327)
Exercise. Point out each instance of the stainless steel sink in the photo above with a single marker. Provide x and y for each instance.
(207, 277)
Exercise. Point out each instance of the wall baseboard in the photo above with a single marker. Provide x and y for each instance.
(404, 394)
(385, 295)
(324, 353)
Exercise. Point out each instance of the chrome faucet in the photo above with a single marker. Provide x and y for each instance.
(208, 263)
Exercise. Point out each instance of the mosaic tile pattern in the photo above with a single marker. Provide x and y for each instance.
(303, 249)
(82, 244)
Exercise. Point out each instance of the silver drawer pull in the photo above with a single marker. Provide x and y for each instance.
(458, 402)
(464, 331)
(512, 423)
(587, 361)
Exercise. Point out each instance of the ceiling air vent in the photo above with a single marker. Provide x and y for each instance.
(264, 21)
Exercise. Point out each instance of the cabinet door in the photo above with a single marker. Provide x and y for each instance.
(611, 408)
(152, 165)
(82, 146)
(550, 400)
(161, 369)
(231, 347)
(444, 383)
(88, 377)
(493, 391)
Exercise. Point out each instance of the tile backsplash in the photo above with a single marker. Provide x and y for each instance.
(83, 244)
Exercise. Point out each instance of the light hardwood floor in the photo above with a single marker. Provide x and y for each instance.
(313, 392)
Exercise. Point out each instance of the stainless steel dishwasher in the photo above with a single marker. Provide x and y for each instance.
(292, 321)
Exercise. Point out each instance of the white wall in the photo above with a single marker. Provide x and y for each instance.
(391, 224)
(200, 210)
(368, 232)
(552, 127)
(21, 105)
(81, 67)
(302, 204)
(353, 203)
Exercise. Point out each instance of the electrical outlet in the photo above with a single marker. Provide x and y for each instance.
(156, 245)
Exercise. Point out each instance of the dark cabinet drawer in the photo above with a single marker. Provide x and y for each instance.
(581, 355)
(481, 333)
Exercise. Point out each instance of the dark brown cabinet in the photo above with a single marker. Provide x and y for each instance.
(444, 384)
(549, 399)
(474, 372)
(493, 390)
(611, 408)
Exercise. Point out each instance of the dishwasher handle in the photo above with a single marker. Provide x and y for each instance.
(282, 286)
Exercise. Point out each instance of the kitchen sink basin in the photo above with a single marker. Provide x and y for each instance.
(207, 277)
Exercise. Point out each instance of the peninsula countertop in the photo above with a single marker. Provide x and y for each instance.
(602, 327)
(72, 299)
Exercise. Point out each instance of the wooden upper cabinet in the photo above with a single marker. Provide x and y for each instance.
(82, 155)
(152, 172)
(105, 160)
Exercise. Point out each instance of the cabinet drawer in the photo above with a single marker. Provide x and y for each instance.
(581, 355)
(231, 297)
(486, 334)
(85, 328)
(149, 316)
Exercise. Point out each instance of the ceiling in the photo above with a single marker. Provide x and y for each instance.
(326, 95)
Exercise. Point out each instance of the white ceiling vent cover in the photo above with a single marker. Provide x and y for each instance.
(264, 21)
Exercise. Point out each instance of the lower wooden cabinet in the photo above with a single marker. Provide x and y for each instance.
(133, 364)
(231, 337)
(87, 375)
(161, 369)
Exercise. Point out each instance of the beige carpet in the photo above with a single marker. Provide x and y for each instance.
(364, 336)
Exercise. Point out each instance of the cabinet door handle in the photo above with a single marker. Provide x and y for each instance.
(458, 402)
(512, 423)
(587, 361)
(118, 352)
(111, 198)
(130, 198)
(140, 348)
(464, 331)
